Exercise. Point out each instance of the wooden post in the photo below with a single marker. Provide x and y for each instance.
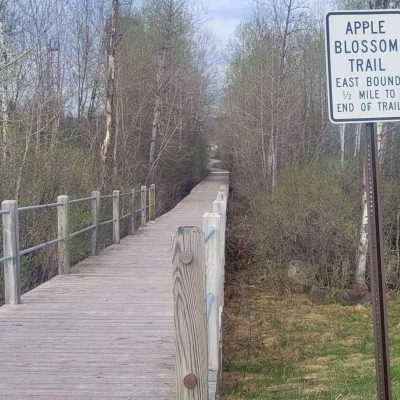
(152, 202)
(222, 197)
(12, 276)
(64, 263)
(116, 217)
(190, 315)
(143, 198)
(224, 190)
(218, 207)
(132, 222)
(220, 376)
(214, 284)
(95, 220)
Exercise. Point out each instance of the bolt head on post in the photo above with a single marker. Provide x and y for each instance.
(190, 381)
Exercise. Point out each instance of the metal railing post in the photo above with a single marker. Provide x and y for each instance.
(95, 220)
(12, 275)
(64, 262)
(116, 217)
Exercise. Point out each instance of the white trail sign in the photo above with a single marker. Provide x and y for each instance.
(363, 65)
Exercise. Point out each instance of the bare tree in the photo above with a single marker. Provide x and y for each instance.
(4, 79)
(112, 43)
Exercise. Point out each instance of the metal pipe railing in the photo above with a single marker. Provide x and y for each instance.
(38, 247)
(2, 259)
(9, 213)
(109, 221)
(81, 200)
(83, 230)
(39, 207)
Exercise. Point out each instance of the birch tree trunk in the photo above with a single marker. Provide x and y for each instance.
(272, 144)
(357, 141)
(342, 143)
(110, 90)
(283, 29)
(262, 132)
(380, 131)
(157, 107)
(274, 162)
(360, 272)
(116, 139)
(361, 268)
(4, 83)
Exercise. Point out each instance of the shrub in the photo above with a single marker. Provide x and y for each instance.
(311, 217)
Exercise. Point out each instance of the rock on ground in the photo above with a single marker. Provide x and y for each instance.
(349, 297)
(319, 295)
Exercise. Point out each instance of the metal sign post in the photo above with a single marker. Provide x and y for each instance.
(377, 269)
(363, 55)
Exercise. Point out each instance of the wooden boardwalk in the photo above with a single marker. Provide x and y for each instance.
(105, 331)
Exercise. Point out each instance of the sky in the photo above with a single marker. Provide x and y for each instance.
(224, 16)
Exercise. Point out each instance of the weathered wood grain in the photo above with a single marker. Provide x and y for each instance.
(152, 202)
(12, 279)
(190, 314)
(211, 229)
(132, 210)
(116, 217)
(95, 221)
(63, 248)
(143, 201)
(106, 330)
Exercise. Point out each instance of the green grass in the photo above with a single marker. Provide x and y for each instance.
(281, 347)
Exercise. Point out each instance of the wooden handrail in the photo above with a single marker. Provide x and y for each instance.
(190, 274)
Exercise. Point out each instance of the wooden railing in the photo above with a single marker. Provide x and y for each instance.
(199, 276)
(11, 244)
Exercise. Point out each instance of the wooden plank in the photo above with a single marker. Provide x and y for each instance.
(106, 330)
